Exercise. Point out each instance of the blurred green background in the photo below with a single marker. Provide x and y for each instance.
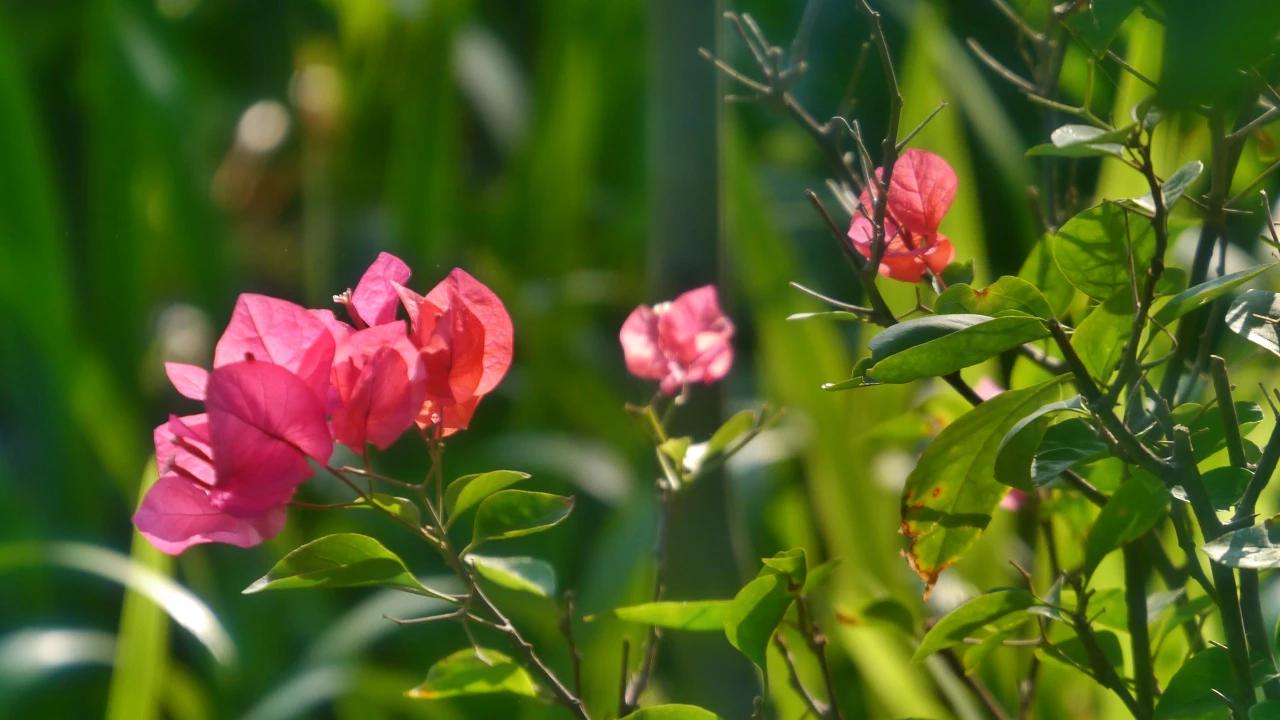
(157, 157)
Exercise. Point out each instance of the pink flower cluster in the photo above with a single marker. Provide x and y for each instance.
(287, 382)
(921, 190)
(679, 342)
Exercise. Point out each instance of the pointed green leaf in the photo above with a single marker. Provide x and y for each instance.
(842, 315)
(341, 560)
(1041, 271)
(1100, 338)
(469, 491)
(1191, 690)
(951, 493)
(1172, 190)
(514, 513)
(1006, 294)
(755, 612)
(1092, 249)
(525, 574)
(672, 712)
(1140, 503)
(1254, 316)
(1203, 294)
(791, 563)
(970, 617)
(403, 508)
(471, 672)
(1254, 548)
(692, 615)
(956, 350)
(739, 424)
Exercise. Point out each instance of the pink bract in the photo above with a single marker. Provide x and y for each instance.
(921, 190)
(381, 384)
(374, 300)
(280, 333)
(684, 341)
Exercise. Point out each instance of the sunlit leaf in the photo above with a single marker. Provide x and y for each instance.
(676, 615)
(469, 490)
(1100, 338)
(956, 350)
(525, 574)
(403, 508)
(515, 513)
(970, 617)
(1254, 316)
(1255, 548)
(474, 672)
(754, 613)
(1082, 141)
(1006, 294)
(951, 493)
(1130, 512)
(1093, 248)
(1203, 294)
(340, 560)
(1042, 272)
(672, 712)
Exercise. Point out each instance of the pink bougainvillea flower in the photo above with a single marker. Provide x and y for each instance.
(227, 475)
(921, 190)
(375, 298)
(280, 333)
(264, 422)
(381, 383)
(466, 339)
(1014, 501)
(681, 342)
(188, 380)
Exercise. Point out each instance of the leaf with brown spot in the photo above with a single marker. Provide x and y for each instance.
(956, 474)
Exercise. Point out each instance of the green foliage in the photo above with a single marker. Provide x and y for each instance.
(1255, 548)
(1075, 141)
(694, 615)
(672, 712)
(1196, 690)
(1007, 294)
(974, 338)
(340, 560)
(1140, 503)
(1093, 249)
(515, 513)
(1253, 316)
(949, 496)
(755, 612)
(474, 671)
(525, 574)
(981, 612)
(469, 491)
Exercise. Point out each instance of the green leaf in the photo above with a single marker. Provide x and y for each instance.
(1254, 548)
(676, 449)
(1077, 141)
(841, 315)
(403, 508)
(1254, 316)
(1066, 445)
(739, 424)
(1099, 21)
(525, 574)
(957, 350)
(1041, 271)
(1207, 436)
(341, 560)
(918, 331)
(1203, 294)
(1092, 249)
(958, 272)
(1265, 710)
(693, 615)
(755, 612)
(1006, 294)
(893, 613)
(975, 655)
(1015, 459)
(1139, 504)
(791, 563)
(471, 672)
(1173, 189)
(672, 712)
(469, 490)
(1190, 692)
(1071, 651)
(1100, 338)
(515, 513)
(973, 615)
(1226, 484)
(951, 493)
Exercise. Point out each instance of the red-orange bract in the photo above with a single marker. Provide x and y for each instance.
(921, 191)
(680, 342)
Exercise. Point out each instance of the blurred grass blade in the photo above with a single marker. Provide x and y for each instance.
(30, 654)
(179, 603)
(142, 655)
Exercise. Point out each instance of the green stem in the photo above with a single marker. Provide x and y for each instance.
(1136, 567)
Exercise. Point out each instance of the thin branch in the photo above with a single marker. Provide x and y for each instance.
(1254, 183)
(916, 130)
(816, 706)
